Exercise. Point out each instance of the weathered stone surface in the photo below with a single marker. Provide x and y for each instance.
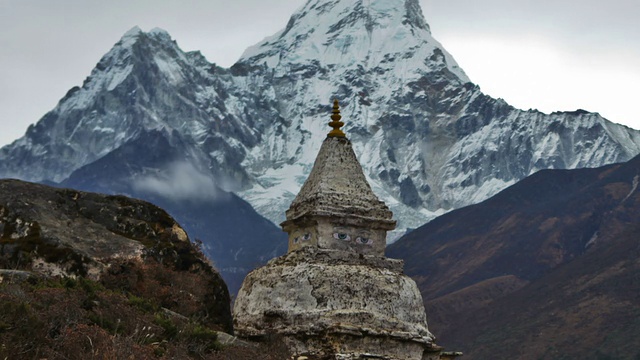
(68, 232)
(337, 303)
(336, 208)
(332, 233)
(337, 187)
(15, 276)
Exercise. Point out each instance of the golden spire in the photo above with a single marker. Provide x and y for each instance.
(335, 123)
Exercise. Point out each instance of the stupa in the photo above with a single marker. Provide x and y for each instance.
(335, 295)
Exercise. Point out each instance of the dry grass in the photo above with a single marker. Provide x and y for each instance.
(81, 319)
(165, 306)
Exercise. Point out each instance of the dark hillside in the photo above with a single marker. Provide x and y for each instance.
(495, 275)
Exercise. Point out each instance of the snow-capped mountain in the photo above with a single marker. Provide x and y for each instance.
(428, 139)
(144, 83)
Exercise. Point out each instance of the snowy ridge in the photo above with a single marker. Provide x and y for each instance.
(362, 34)
(361, 45)
(384, 63)
(428, 140)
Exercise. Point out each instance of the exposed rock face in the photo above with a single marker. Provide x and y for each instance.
(126, 244)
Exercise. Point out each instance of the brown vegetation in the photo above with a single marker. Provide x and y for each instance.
(124, 316)
(546, 269)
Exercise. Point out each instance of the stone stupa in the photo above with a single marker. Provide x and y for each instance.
(335, 295)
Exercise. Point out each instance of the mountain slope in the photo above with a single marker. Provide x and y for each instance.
(428, 139)
(129, 245)
(144, 83)
(86, 275)
(547, 261)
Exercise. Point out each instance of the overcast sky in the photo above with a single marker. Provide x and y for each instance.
(544, 54)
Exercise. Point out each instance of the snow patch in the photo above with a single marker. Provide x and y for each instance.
(118, 77)
(636, 180)
(170, 68)
(130, 37)
(592, 241)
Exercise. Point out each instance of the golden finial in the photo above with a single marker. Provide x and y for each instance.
(335, 123)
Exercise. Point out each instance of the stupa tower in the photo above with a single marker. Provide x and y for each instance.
(336, 208)
(335, 295)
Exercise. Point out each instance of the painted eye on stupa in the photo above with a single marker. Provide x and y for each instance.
(364, 241)
(341, 236)
(305, 237)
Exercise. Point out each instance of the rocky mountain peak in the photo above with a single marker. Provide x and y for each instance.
(354, 33)
(124, 96)
(136, 34)
(414, 15)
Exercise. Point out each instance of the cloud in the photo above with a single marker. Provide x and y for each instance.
(181, 181)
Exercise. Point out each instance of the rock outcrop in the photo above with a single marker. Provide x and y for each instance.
(123, 243)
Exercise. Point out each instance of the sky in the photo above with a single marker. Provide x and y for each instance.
(550, 55)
